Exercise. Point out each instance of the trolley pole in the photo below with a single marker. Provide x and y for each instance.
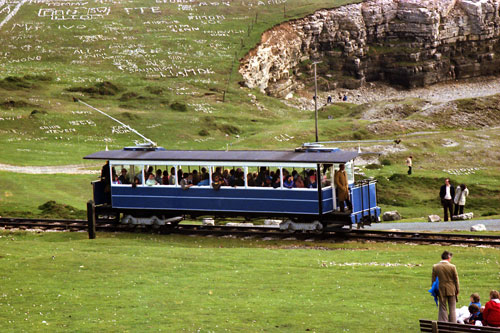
(316, 100)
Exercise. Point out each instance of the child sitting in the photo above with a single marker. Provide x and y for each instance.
(475, 299)
(476, 316)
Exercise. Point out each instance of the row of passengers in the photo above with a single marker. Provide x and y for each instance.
(234, 177)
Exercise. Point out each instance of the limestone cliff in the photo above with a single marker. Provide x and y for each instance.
(405, 42)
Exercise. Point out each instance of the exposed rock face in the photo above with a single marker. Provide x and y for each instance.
(405, 42)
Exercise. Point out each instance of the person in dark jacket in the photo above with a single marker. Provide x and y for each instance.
(447, 193)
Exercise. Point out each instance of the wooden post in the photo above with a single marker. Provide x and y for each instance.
(435, 327)
(91, 218)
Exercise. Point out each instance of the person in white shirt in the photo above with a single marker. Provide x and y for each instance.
(461, 193)
(409, 163)
(447, 193)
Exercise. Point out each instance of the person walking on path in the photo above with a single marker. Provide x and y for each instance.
(447, 193)
(449, 287)
(460, 194)
(409, 163)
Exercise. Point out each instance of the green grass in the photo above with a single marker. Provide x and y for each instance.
(128, 282)
(22, 194)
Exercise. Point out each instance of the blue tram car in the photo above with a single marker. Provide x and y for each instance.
(312, 208)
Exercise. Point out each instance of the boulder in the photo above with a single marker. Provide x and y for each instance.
(461, 217)
(433, 218)
(478, 227)
(208, 221)
(391, 216)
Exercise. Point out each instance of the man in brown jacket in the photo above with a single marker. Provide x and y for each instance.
(342, 185)
(448, 287)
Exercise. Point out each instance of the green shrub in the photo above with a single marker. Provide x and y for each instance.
(385, 161)
(374, 166)
(57, 210)
(204, 132)
(177, 106)
(489, 213)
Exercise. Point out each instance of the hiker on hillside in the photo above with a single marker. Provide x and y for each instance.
(460, 194)
(409, 163)
(447, 193)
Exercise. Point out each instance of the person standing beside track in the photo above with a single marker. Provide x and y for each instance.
(447, 193)
(449, 287)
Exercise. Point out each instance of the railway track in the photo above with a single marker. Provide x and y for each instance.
(264, 232)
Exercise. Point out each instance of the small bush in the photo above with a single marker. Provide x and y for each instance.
(229, 129)
(374, 166)
(489, 214)
(204, 132)
(57, 210)
(385, 161)
(155, 90)
(105, 88)
(11, 104)
(181, 107)
(128, 95)
(360, 135)
(36, 113)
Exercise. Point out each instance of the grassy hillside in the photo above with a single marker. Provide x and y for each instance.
(169, 69)
(163, 67)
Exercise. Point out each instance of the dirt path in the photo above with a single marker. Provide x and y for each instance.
(74, 169)
(437, 94)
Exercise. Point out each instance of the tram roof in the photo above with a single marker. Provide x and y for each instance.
(338, 156)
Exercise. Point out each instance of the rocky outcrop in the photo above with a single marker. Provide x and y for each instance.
(405, 42)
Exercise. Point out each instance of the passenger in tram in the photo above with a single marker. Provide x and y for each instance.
(251, 179)
(231, 178)
(149, 172)
(218, 172)
(276, 179)
(196, 177)
(342, 186)
(179, 175)
(299, 182)
(171, 179)
(187, 181)
(288, 182)
(239, 178)
(268, 181)
(124, 177)
(158, 176)
(311, 179)
(116, 180)
(261, 177)
(203, 172)
(136, 182)
(205, 181)
(164, 179)
(151, 180)
(217, 182)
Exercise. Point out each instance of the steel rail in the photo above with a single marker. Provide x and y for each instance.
(272, 232)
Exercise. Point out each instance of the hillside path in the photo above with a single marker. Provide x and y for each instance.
(73, 169)
(491, 225)
(437, 94)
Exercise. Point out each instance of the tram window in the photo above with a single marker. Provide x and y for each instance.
(350, 172)
(163, 175)
(139, 175)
